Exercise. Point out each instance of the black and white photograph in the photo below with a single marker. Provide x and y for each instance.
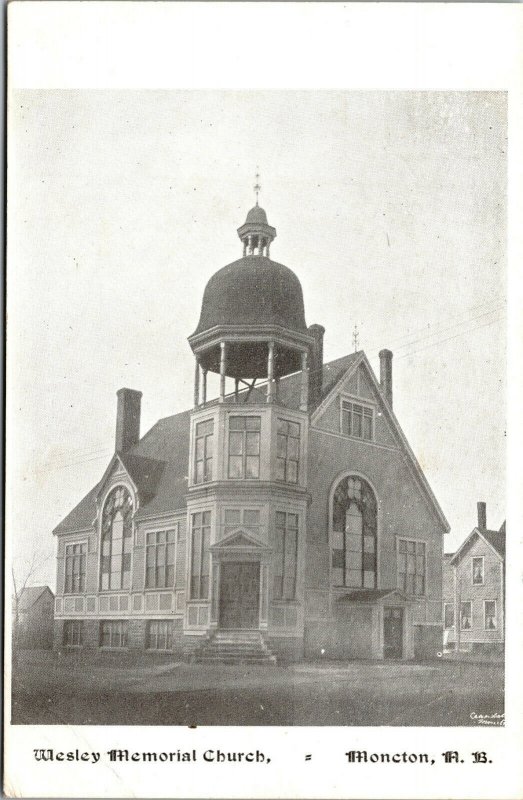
(257, 388)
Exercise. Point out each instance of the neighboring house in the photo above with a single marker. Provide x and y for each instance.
(33, 613)
(474, 590)
(290, 515)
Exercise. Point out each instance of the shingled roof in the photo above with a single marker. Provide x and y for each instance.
(30, 595)
(158, 463)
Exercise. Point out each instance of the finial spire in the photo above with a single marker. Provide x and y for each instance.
(257, 185)
(356, 338)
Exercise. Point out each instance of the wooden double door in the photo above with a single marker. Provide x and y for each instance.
(239, 594)
(393, 632)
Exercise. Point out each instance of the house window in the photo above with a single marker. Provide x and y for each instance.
(477, 571)
(286, 558)
(287, 451)
(203, 451)
(113, 633)
(465, 618)
(448, 616)
(160, 634)
(354, 534)
(356, 420)
(115, 570)
(73, 633)
(200, 560)
(159, 560)
(246, 518)
(75, 555)
(411, 566)
(244, 447)
(491, 621)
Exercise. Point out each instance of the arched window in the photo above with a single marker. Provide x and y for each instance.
(115, 570)
(354, 534)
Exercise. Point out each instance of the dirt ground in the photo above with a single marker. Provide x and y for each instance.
(76, 689)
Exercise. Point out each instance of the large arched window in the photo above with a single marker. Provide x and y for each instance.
(115, 572)
(354, 534)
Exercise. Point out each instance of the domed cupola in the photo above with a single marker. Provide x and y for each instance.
(252, 321)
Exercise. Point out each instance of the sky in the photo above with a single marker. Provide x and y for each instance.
(389, 206)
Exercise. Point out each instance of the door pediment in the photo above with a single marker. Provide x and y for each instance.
(239, 540)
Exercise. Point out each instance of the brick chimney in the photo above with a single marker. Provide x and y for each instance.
(482, 515)
(127, 419)
(316, 364)
(386, 374)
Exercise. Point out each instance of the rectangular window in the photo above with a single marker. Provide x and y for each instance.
(448, 616)
(200, 559)
(287, 451)
(74, 633)
(411, 567)
(465, 617)
(203, 443)
(246, 518)
(75, 557)
(356, 420)
(477, 571)
(159, 560)
(286, 558)
(160, 634)
(244, 447)
(113, 633)
(491, 621)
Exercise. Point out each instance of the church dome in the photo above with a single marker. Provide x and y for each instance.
(253, 291)
(257, 215)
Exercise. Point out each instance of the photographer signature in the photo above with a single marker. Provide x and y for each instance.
(488, 719)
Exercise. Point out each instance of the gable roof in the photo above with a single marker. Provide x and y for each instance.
(495, 539)
(158, 464)
(30, 595)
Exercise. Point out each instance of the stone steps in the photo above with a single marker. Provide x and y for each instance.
(234, 647)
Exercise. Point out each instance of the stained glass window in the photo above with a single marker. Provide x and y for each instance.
(115, 572)
(354, 533)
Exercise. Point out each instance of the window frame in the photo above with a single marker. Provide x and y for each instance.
(333, 532)
(168, 635)
(495, 602)
(366, 406)
(72, 624)
(73, 544)
(229, 528)
(445, 626)
(203, 553)
(461, 604)
(415, 573)
(129, 490)
(206, 458)
(243, 455)
(281, 595)
(286, 460)
(123, 635)
(482, 559)
(174, 528)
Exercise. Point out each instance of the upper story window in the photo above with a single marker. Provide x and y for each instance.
(117, 540)
(248, 519)
(159, 560)
(75, 555)
(203, 444)
(411, 566)
(244, 447)
(286, 558)
(357, 420)
(288, 451)
(354, 534)
(477, 571)
(200, 559)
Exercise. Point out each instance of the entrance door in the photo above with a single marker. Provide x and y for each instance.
(239, 595)
(393, 632)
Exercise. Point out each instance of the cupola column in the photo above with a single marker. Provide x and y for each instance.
(304, 394)
(204, 386)
(270, 374)
(223, 367)
(197, 384)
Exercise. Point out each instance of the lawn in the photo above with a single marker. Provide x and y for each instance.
(80, 690)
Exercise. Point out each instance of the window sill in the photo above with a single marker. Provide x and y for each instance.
(277, 601)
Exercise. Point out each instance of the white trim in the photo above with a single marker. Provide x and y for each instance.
(466, 541)
(147, 529)
(477, 558)
(338, 435)
(369, 404)
(109, 488)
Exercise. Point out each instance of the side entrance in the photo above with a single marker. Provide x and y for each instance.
(392, 632)
(239, 595)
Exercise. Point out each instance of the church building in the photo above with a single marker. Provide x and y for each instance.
(287, 518)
